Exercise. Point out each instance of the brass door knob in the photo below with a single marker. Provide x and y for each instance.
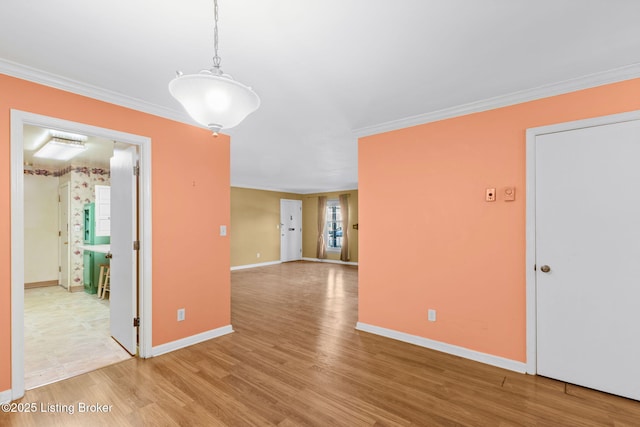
(545, 269)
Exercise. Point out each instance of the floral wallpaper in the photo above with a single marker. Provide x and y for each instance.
(82, 181)
(82, 184)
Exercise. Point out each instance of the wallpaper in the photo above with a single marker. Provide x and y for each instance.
(82, 181)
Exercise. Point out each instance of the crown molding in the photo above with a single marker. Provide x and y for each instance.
(585, 82)
(35, 75)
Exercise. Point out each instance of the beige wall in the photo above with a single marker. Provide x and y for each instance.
(310, 224)
(255, 225)
(40, 228)
(255, 220)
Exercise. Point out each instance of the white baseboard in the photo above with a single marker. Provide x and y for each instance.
(477, 356)
(194, 339)
(5, 396)
(262, 264)
(333, 261)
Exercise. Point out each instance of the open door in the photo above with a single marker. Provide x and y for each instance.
(124, 261)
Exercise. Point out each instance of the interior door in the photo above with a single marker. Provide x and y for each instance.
(63, 239)
(290, 230)
(587, 252)
(124, 261)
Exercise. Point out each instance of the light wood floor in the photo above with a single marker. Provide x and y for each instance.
(295, 359)
(65, 334)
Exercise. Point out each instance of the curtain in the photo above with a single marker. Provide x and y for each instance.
(344, 210)
(321, 248)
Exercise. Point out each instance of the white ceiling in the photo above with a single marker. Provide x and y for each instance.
(323, 69)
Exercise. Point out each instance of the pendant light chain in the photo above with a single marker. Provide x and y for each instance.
(216, 58)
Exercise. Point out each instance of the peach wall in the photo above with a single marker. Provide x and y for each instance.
(190, 199)
(429, 240)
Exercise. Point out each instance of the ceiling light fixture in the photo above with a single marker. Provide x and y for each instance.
(60, 149)
(213, 98)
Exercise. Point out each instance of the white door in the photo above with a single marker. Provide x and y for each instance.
(588, 235)
(103, 210)
(124, 261)
(290, 230)
(63, 235)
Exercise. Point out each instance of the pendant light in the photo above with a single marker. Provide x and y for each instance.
(211, 97)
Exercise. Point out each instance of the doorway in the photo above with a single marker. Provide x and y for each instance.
(290, 230)
(583, 301)
(18, 120)
(68, 319)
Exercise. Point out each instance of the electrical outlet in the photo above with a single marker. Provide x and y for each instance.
(181, 314)
(258, 255)
(431, 315)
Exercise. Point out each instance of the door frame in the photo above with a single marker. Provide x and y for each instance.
(61, 246)
(18, 120)
(532, 133)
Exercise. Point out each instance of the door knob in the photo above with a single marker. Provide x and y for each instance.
(545, 269)
(108, 255)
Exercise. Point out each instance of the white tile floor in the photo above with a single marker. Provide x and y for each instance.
(66, 334)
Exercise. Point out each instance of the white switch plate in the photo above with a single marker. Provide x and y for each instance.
(223, 230)
(180, 314)
(432, 315)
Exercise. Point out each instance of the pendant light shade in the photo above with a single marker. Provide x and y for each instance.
(211, 97)
(214, 100)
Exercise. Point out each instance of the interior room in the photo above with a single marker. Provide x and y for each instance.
(330, 213)
(66, 306)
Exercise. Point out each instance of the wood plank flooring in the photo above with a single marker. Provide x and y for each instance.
(295, 359)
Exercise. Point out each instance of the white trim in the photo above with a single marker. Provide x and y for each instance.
(592, 80)
(18, 120)
(489, 359)
(262, 264)
(35, 75)
(332, 261)
(5, 396)
(194, 339)
(584, 82)
(532, 133)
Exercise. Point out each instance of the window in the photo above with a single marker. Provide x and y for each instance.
(334, 226)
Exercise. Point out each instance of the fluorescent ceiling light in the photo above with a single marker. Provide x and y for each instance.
(60, 149)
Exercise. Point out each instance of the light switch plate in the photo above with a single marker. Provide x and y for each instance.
(223, 230)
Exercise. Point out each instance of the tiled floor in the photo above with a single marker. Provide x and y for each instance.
(66, 334)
